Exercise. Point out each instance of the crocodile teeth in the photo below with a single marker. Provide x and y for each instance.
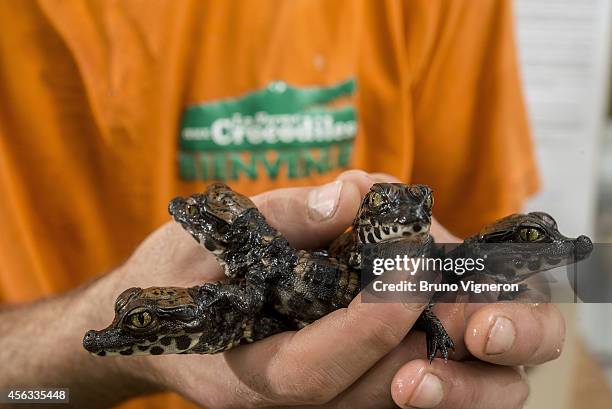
(377, 233)
(404, 231)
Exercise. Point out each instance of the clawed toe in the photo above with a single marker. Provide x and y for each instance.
(438, 340)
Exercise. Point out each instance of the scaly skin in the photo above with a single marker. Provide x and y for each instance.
(523, 245)
(166, 320)
(272, 287)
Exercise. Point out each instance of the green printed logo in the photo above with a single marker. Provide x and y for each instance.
(277, 129)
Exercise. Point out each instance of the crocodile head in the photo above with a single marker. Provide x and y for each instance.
(394, 211)
(162, 320)
(209, 216)
(521, 245)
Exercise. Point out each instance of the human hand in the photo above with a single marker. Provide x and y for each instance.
(492, 341)
(350, 357)
(311, 366)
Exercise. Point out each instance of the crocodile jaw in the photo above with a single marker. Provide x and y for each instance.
(379, 233)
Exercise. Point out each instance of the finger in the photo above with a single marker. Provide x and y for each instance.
(310, 217)
(385, 177)
(372, 389)
(318, 362)
(458, 385)
(364, 180)
(516, 334)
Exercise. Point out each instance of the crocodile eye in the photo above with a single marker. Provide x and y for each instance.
(191, 210)
(529, 234)
(139, 320)
(124, 297)
(429, 201)
(416, 191)
(376, 199)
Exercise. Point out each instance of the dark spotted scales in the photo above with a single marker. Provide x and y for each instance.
(273, 287)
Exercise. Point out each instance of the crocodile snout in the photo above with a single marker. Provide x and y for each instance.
(90, 341)
(583, 246)
(176, 204)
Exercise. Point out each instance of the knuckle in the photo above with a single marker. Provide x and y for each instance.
(381, 333)
(471, 399)
(319, 396)
(306, 385)
(382, 326)
(312, 390)
(254, 392)
(375, 396)
(416, 307)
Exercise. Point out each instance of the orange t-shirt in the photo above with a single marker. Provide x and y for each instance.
(109, 109)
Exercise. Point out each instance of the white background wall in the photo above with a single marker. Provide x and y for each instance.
(564, 49)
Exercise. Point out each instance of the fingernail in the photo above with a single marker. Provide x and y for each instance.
(501, 337)
(323, 201)
(428, 394)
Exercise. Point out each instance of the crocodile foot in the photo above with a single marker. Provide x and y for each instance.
(436, 336)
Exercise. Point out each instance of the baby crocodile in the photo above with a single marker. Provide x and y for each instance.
(272, 287)
(521, 245)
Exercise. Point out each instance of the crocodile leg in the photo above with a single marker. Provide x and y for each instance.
(435, 334)
(267, 325)
(248, 299)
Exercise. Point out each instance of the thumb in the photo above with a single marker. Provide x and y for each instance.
(310, 217)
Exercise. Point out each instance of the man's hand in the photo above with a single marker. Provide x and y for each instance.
(360, 356)
(496, 338)
(354, 357)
